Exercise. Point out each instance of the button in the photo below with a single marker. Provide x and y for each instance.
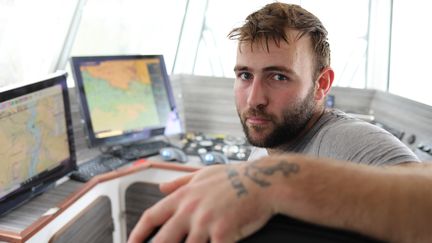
(233, 149)
(202, 151)
(426, 149)
(206, 143)
(218, 147)
(411, 139)
(209, 158)
(241, 156)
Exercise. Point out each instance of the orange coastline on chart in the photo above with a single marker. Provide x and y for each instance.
(120, 73)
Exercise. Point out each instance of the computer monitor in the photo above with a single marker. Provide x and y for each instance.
(124, 99)
(36, 139)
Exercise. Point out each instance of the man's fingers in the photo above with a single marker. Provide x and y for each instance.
(174, 230)
(142, 229)
(197, 235)
(169, 187)
(152, 218)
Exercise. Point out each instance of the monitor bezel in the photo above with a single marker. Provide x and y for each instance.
(40, 182)
(126, 138)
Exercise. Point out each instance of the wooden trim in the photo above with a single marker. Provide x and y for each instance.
(10, 236)
(44, 220)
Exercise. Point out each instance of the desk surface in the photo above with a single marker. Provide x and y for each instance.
(25, 221)
(21, 218)
(34, 214)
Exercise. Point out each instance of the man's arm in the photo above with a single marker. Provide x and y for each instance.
(228, 203)
(391, 203)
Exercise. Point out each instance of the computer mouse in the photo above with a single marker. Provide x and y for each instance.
(213, 157)
(173, 154)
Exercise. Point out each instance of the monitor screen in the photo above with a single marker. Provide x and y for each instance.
(330, 101)
(124, 98)
(36, 139)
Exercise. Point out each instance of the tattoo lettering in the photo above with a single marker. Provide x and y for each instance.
(258, 174)
(236, 183)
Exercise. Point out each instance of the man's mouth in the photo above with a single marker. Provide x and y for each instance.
(257, 120)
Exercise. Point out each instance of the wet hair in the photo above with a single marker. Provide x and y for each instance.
(272, 23)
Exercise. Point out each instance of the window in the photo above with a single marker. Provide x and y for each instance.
(32, 35)
(411, 50)
(379, 44)
(117, 27)
(348, 37)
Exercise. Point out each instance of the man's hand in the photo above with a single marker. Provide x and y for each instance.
(171, 186)
(217, 204)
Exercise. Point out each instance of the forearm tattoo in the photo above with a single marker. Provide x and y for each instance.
(258, 174)
(236, 183)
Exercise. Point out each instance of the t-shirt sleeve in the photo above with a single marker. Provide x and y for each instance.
(365, 143)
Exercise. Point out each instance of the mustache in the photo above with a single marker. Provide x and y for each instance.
(253, 112)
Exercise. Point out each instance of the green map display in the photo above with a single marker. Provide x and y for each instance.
(33, 136)
(123, 96)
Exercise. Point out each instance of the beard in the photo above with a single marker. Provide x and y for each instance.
(294, 120)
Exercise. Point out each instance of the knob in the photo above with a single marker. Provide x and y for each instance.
(411, 139)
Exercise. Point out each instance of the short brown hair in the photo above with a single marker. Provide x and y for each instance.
(272, 21)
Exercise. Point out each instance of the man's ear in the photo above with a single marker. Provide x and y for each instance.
(324, 83)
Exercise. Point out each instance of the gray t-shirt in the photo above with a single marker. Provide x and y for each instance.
(339, 136)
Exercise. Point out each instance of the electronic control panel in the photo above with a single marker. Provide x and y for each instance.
(420, 144)
(234, 148)
(424, 151)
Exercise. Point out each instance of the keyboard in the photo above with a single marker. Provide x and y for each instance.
(96, 166)
(141, 150)
(108, 162)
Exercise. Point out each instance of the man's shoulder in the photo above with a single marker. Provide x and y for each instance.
(353, 139)
(338, 121)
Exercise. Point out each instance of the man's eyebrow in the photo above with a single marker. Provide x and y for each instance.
(240, 68)
(266, 69)
(278, 68)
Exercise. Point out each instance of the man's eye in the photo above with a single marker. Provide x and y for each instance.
(280, 77)
(245, 76)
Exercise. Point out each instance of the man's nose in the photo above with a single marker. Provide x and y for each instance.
(257, 96)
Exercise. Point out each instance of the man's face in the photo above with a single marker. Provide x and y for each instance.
(274, 90)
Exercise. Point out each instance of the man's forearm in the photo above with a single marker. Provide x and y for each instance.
(393, 204)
